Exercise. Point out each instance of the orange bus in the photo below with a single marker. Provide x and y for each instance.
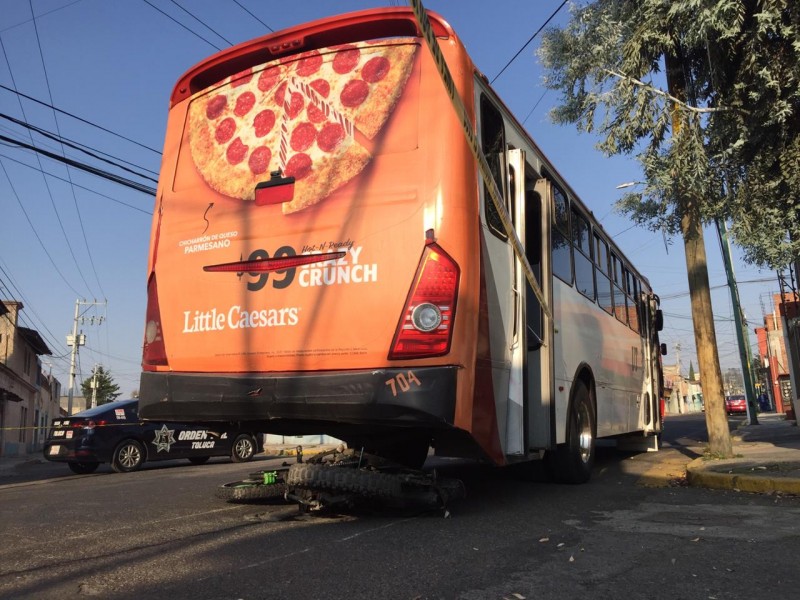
(325, 258)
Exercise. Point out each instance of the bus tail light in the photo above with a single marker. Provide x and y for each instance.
(426, 327)
(154, 352)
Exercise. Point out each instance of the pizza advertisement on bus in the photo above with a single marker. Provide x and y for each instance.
(313, 119)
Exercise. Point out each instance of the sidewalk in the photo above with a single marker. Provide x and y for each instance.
(766, 459)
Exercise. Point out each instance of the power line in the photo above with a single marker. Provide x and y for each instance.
(173, 19)
(72, 190)
(79, 147)
(36, 233)
(716, 287)
(19, 162)
(17, 294)
(203, 23)
(46, 184)
(538, 31)
(84, 167)
(44, 14)
(252, 15)
(81, 119)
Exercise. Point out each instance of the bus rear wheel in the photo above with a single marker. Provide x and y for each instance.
(572, 461)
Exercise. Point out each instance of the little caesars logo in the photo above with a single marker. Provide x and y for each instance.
(238, 318)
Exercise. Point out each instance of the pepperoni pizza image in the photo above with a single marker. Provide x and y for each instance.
(303, 117)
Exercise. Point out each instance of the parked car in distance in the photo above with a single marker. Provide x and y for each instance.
(735, 404)
(113, 433)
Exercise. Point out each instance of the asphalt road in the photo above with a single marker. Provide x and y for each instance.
(162, 533)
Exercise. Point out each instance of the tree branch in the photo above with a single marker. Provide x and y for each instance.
(664, 94)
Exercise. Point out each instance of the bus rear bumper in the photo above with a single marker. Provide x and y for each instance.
(306, 403)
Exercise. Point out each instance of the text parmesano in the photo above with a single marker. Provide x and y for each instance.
(237, 318)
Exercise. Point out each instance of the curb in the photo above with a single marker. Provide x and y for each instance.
(700, 474)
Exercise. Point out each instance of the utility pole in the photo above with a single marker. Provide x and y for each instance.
(94, 387)
(741, 332)
(76, 340)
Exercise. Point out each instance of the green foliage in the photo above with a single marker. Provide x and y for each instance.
(731, 141)
(107, 390)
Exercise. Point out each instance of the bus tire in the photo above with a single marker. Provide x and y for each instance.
(128, 456)
(369, 484)
(572, 461)
(249, 490)
(243, 449)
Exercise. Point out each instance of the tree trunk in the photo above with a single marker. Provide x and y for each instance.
(705, 338)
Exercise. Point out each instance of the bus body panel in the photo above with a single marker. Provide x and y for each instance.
(307, 348)
(249, 345)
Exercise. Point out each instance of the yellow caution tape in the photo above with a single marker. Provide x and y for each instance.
(472, 141)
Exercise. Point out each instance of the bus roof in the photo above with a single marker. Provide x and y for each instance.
(331, 31)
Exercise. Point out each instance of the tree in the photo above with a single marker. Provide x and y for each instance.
(105, 391)
(725, 131)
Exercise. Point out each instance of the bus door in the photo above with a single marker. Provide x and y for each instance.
(652, 322)
(528, 418)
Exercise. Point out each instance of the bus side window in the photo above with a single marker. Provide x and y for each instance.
(601, 274)
(620, 309)
(560, 238)
(632, 289)
(493, 145)
(582, 242)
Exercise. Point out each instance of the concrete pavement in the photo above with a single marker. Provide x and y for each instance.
(766, 459)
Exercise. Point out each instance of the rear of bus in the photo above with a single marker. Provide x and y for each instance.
(314, 256)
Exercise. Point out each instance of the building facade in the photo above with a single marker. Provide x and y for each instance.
(683, 394)
(28, 397)
(775, 368)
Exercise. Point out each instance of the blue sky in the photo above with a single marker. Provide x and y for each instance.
(70, 235)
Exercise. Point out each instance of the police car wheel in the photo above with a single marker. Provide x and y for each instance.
(243, 448)
(128, 456)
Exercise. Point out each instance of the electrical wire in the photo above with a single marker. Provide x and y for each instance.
(17, 294)
(46, 183)
(174, 20)
(237, 3)
(537, 32)
(118, 201)
(203, 23)
(77, 118)
(84, 167)
(36, 233)
(76, 146)
(69, 176)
